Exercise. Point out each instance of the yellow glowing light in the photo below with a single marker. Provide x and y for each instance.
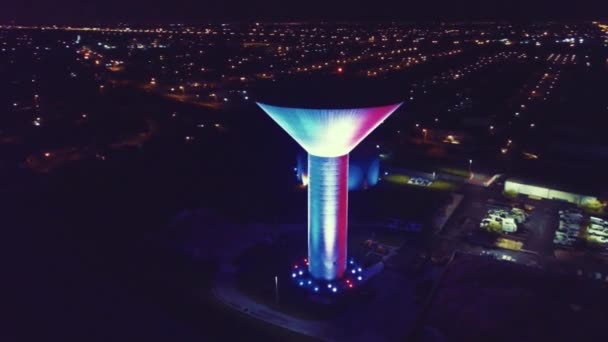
(528, 155)
(450, 139)
(304, 180)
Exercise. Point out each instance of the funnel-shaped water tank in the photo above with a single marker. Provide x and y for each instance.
(328, 135)
(328, 132)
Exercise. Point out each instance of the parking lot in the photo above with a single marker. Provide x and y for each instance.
(597, 232)
(577, 230)
(568, 231)
(420, 181)
(503, 219)
(554, 234)
(530, 225)
(502, 222)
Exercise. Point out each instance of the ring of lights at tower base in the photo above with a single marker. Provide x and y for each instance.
(301, 277)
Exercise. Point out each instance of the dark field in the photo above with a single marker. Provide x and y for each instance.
(482, 299)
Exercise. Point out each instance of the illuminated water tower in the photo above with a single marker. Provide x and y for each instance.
(328, 119)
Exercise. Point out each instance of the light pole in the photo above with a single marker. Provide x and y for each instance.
(471, 167)
(276, 289)
(424, 131)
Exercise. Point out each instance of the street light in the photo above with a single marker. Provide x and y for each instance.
(424, 131)
(471, 166)
(276, 289)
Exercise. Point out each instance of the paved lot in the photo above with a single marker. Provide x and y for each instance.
(387, 314)
(463, 228)
(536, 234)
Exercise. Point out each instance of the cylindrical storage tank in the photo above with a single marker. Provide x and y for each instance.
(363, 169)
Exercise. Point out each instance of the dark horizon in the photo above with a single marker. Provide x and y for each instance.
(72, 12)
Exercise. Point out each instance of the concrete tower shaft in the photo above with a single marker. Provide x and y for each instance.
(327, 216)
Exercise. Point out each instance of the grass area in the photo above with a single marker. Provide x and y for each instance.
(192, 100)
(394, 239)
(456, 172)
(509, 244)
(397, 179)
(444, 185)
(510, 194)
(436, 185)
(594, 207)
(259, 264)
(356, 236)
(499, 298)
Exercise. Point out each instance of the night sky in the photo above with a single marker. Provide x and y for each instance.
(199, 11)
